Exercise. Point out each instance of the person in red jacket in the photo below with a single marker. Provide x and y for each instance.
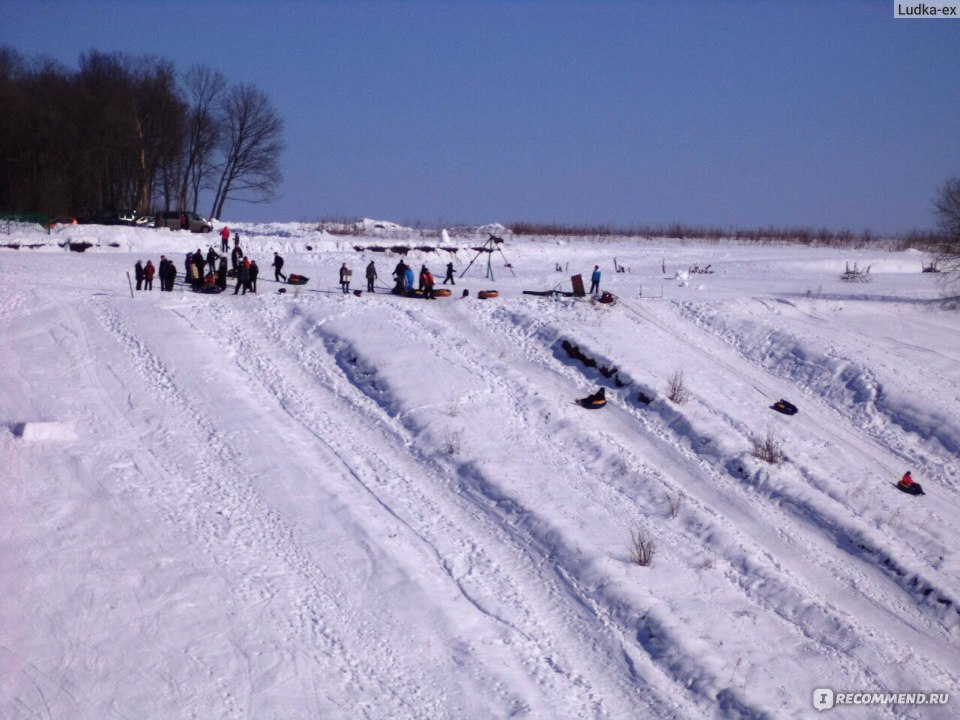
(225, 239)
(148, 272)
(426, 278)
(907, 480)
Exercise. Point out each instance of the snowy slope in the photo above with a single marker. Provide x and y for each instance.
(312, 504)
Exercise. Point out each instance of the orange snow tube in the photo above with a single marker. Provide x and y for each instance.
(484, 294)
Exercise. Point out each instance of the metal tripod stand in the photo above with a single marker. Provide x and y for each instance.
(491, 245)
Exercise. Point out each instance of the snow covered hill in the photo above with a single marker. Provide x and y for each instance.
(314, 504)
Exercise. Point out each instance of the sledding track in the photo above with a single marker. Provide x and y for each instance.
(387, 508)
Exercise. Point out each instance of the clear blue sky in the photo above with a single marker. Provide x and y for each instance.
(738, 114)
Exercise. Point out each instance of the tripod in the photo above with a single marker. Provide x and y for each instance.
(493, 243)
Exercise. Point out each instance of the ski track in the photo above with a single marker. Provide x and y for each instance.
(883, 599)
(689, 667)
(210, 489)
(428, 513)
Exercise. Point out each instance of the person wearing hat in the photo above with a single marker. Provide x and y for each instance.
(907, 480)
(277, 267)
(595, 280)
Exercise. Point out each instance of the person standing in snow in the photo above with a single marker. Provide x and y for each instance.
(236, 254)
(148, 272)
(277, 267)
(449, 277)
(371, 276)
(595, 280)
(399, 272)
(138, 274)
(222, 273)
(170, 275)
(426, 277)
(345, 278)
(254, 271)
(212, 258)
(225, 239)
(193, 272)
(243, 278)
(408, 278)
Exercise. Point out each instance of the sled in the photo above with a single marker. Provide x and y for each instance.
(590, 403)
(297, 280)
(593, 402)
(912, 489)
(607, 298)
(484, 294)
(408, 293)
(782, 406)
(442, 292)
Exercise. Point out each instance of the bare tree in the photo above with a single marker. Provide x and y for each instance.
(205, 89)
(251, 144)
(947, 205)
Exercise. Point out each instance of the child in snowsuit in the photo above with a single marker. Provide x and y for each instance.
(595, 280)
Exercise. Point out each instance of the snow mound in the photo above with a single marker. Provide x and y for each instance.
(43, 431)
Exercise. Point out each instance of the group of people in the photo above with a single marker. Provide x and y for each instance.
(208, 273)
(403, 275)
(167, 272)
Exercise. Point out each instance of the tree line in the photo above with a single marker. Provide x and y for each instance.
(125, 132)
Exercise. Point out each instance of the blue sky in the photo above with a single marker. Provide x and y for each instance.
(732, 114)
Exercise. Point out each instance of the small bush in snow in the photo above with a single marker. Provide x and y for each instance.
(451, 443)
(768, 449)
(675, 503)
(676, 389)
(642, 548)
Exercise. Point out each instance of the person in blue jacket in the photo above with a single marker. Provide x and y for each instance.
(408, 278)
(595, 280)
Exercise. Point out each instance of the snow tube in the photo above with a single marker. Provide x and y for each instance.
(911, 489)
(787, 408)
(592, 403)
(297, 280)
(442, 292)
(484, 294)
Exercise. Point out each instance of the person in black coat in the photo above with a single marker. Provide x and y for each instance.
(243, 278)
(138, 273)
(277, 267)
(398, 273)
(449, 277)
(254, 271)
(222, 273)
(212, 258)
(236, 255)
(171, 275)
(371, 276)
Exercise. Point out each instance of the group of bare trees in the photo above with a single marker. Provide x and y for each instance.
(128, 133)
